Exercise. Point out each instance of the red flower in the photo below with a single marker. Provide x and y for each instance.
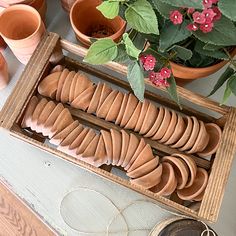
(160, 82)
(165, 73)
(190, 10)
(152, 76)
(192, 27)
(206, 28)
(207, 3)
(209, 15)
(199, 17)
(217, 13)
(148, 62)
(176, 17)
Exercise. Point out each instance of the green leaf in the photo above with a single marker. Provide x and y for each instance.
(136, 79)
(138, 39)
(142, 17)
(232, 83)
(172, 34)
(183, 53)
(227, 93)
(211, 47)
(122, 56)
(228, 8)
(163, 8)
(130, 48)
(102, 51)
(185, 3)
(110, 9)
(225, 76)
(223, 33)
(172, 90)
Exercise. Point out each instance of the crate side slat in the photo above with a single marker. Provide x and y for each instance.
(220, 171)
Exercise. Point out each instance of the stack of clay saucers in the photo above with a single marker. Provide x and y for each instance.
(187, 134)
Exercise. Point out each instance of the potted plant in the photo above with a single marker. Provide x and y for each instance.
(187, 39)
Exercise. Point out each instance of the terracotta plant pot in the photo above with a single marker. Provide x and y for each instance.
(67, 5)
(88, 22)
(4, 77)
(22, 28)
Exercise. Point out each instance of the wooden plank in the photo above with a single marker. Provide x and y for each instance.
(122, 69)
(16, 218)
(220, 171)
(26, 85)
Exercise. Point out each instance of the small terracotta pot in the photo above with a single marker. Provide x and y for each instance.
(67, 5)
(22, 28)
(4, 77)
(88, 22)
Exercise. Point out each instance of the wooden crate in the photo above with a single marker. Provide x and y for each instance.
(219, 165)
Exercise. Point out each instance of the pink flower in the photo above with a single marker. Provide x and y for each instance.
(192, 27)
(190, 10)
(209, 15)
(160, 82)
(152, 76)
(165, 73)
(207, 3)
(176, 17)
(217, 13)
(148, 61)
(206, 28)
(199, 17)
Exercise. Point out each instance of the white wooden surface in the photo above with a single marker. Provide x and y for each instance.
(44, 180)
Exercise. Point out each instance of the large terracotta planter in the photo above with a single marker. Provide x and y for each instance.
(4, 77)
(22, 28)
(67, 5)
(89, 22)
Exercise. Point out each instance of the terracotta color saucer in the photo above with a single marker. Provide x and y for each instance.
(108, 145)
(200, 196)
(164, 126)
(90, 150)
(65, 92)
(215, 134)
(130, 108)
(61, 82)
(116, 146)
(95, 99)
(178, 132)
(142, 115)
(156, 125)
(115, 108)
(57, 68)
(168, 181)
(149, 119)
(82, 83)
(186, 135)
(27, 119)
(72, 89)
(197, 187)
(100, 156)
(124, 146)
(193, 137)
(149, 180)
(122, 109)
(144, 169)
(201, 141)
(87, 139)
(106, 90)
(180, 168)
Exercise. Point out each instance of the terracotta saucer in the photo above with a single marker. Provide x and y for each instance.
(201, 141)
(186, 135)
(108, 145)
(83, 100)
(144, 156)
(139, 149)
(48, 109)
(95, 99)
(144, 169)
(133, 145)
(115, 108)
(142, 115)
(149, 180)
(106, 90)
(48, 86)
(171, 128)
(215, 133)
(61, 82)
(116, 146)
(200, 196)
(192, 139)
(72, 89)
(82, 83)
(124, 146)
(26, 122)
(178, 132)
(46, 130)
(100, 156)
(168, 181)
(149, 119)
(164, 125)
(57, 68)
(197, 187)
(90, 150)
(65, 92)
(106, 105)
(180, 168)
(87, 139)
(130, 107)
(134, 118)
(122, 109)
(191, 165)
(156, 125)
(58, 138)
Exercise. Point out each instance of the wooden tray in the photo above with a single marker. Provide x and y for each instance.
(219, 164)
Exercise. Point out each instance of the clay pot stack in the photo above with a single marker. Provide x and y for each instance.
(187, 134)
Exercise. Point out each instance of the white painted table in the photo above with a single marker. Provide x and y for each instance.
(43, 180)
